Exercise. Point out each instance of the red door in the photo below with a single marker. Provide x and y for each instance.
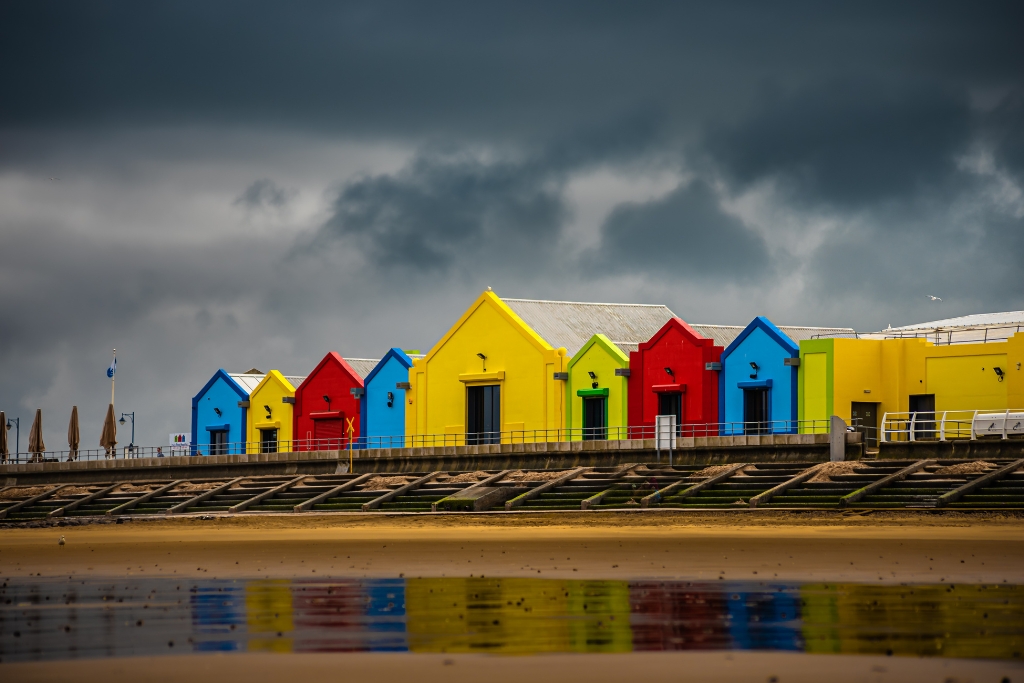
(327, 433)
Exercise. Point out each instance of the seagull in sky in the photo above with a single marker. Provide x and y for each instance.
(52, 178)
(934, 298)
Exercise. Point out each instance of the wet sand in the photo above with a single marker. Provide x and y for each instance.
(728, 667)
(887, 548)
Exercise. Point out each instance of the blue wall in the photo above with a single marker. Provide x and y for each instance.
(763, 343)
(376, 418)
(223, 393)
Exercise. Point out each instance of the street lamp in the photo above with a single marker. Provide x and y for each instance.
(17, 435)
(131, 416)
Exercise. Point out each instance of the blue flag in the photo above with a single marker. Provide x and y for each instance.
(112, 369)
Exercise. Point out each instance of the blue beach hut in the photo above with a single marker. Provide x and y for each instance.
(219, 413)
(383, 408)
(758, 381)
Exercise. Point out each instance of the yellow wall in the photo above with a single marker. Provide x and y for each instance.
(889, 371)
(518, 360)
(602, 358)
(269, 392)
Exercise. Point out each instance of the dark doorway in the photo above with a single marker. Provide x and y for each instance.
(756, 411)
(595, 418)
(483, 418)
(268, 441)
(922, 407)
(864, 417)
(671, 403)
(219, 442)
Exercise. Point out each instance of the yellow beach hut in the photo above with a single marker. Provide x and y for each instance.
(596, 406)
(500, 373)
(270, 413)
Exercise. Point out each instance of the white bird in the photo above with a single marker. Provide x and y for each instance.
(54, 178)
(61, 541)
(934, 298)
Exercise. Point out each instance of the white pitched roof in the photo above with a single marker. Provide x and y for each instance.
(246, 381)
(572, 323)
(966, 329)
(725, 334)
(362, 366)
(1009, 318)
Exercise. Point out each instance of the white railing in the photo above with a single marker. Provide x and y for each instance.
(951, 424)
(433, 440)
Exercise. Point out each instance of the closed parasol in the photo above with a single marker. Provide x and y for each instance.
(108, 439)
(73, 435)
(3, 437)
(35, 437)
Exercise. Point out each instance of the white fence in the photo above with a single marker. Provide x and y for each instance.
(951, 424)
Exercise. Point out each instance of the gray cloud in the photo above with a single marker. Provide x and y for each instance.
(685, 235)
(264, 193)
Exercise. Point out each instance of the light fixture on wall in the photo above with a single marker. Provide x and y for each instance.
(999, 373)
(267, 408)
(755, 367)
(484, 359)
(217, 410)
(669, 371)
(328, 400)
(391, 399)
(592, 375)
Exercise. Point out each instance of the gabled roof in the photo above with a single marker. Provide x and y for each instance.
(229, 380)
(760, 322)
(246, 381)
(610, 348)
(572, 323)
(725, 334)
(362, 366)
(396, 353)
(676, 322)
(976, 320)
(344, 363)
(276, 375)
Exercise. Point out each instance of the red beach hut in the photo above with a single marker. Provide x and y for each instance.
(675, 372)
(327, 406)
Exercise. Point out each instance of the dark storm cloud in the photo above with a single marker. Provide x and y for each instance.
(849, 143)
(264, 193)
(685, 234)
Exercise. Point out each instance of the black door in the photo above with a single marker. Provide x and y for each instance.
(671, 403)
(483, 419)
(922, 406)
(595, 427)
(756, 411)
(268, 441)
(865, 420)
(219, 443)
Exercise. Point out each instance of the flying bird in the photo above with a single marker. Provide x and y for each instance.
(52, 178)
(61, 541)
(934, 298)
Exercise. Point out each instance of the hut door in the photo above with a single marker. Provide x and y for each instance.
(671, 403)
(595, 410)
(756, 411)
(268, 441)
(865, 420)
(219, 442)
(923, 406)
(327, 434)
(483, 419)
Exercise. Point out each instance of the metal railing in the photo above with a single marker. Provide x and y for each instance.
(519, 436)
(938, 336)
(951, 424)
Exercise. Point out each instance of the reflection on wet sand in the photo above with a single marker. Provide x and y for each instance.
(46, 619)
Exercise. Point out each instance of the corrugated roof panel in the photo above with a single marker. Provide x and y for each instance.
(362, 366)
(572, 323)
(295, 381)
(723, 335)
(246, 381)
(977, 320)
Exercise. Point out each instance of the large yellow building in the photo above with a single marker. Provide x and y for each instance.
(270, 413)
(499, 374)
(863, 379)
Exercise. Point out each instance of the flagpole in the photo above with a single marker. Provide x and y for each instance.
(112, 377)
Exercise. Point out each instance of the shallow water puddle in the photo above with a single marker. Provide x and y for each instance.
(53, 619)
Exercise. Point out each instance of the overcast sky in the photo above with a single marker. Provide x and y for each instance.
(245, 184)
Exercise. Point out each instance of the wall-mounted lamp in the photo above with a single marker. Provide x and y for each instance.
(669, 371)
(391, 399)
(267, 408)
(328, 400)
(755, 367)
(999, 373)
(484, 359)
(217, 410)
(592, 375)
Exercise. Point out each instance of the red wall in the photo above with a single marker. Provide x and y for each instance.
(333, 377)
(676, 345)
